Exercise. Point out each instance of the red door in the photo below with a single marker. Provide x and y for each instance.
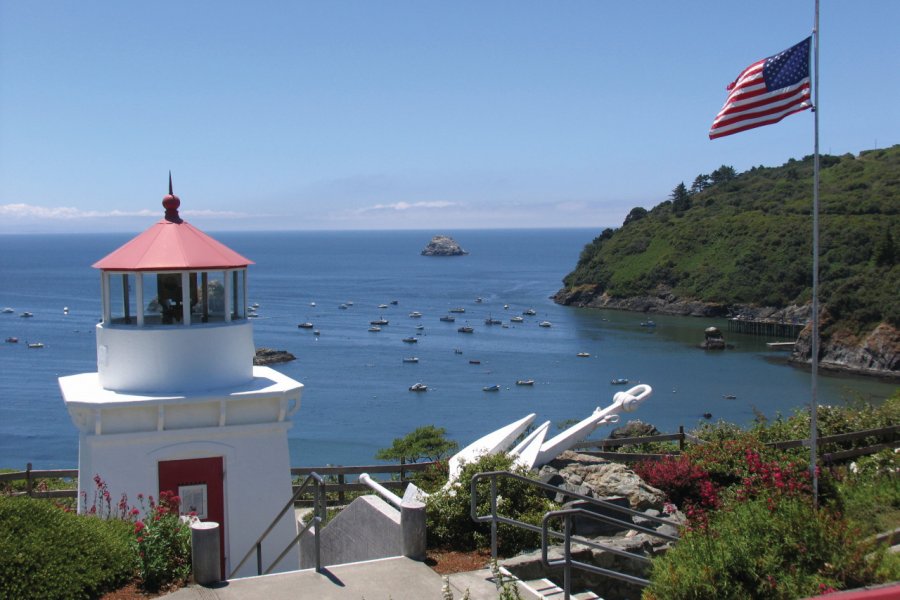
(199, 484)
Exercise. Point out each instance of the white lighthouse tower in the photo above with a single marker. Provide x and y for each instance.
(176, 403)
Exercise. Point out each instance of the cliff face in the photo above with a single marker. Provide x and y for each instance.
(878, 353)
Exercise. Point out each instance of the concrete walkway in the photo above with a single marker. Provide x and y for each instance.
(396, 578)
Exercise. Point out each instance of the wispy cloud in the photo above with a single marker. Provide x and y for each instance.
(402, 206)
(67, 213)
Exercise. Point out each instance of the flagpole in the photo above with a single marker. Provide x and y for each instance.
(813, 429)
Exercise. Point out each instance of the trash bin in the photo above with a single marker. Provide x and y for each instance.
(205, 552)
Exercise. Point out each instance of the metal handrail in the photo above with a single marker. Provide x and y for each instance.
(319, 516)
(566, 535)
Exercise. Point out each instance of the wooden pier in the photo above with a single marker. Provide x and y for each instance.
(765, 327)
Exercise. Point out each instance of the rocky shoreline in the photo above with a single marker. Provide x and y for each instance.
(876, 354)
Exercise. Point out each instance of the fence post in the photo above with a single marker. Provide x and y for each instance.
(402, 470)
(29, 485)
(681, 438)
(341, 480)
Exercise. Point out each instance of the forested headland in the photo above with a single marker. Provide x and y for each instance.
(741, 243)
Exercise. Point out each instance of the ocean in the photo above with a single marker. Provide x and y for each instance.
(356, 398)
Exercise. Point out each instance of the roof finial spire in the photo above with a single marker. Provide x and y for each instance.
(171, 204)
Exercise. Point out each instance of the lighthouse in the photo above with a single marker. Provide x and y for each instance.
(175, 403)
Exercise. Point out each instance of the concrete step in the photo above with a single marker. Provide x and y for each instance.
(547, 590)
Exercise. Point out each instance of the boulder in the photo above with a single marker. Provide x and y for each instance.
(268, 356)
(632, 429)
(442, 245)
(599, 478)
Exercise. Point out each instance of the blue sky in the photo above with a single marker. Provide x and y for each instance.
(405, 114)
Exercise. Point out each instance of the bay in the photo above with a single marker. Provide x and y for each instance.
(356, 397)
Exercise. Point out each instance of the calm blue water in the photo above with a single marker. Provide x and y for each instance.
(356, 399)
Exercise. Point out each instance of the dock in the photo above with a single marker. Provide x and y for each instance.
(781, 345)
(766, 327)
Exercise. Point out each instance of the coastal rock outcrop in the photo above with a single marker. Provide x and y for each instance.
(268, 356)
(878, 353)
(442, 245)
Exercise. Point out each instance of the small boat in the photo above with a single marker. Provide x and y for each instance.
(474, 362)
(648, 324)
(729, 396)
(492, 321)
(457, 351)
(411, 359)
(707, 415)
(491, 388)
(12, 340)
(306, 325)
(545, 324)
(458, 309)
(530, 312)
(583, 355)
(394, 302)
(411, 340)
(619, 381)
(479, 300)
(525, 382)
(65, 310)
(35, 345)
(312, 303)
(506, 307)
(343, 307)
(26, 314)
(465, 329)
(418, 387)
(516, 319)
(316, 332)
(382, 306)
(374, 328)
(8, 310)
(381, 321)
(448, 318)
(420, 327)
(415, 315)
(349, 303)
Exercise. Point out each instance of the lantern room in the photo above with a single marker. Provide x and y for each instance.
(174, 310)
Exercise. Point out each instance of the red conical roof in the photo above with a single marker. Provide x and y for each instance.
(172, 245)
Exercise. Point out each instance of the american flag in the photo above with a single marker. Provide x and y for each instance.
(766, 92)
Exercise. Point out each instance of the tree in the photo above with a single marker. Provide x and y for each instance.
(681, 199)
(723, 174)
(701, 182)
(428, 442)
(637, 213)
(886, 250)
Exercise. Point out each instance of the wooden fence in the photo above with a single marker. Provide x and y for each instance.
(341, 480)
(886, 437)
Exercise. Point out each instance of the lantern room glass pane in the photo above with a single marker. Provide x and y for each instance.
(238, 301)
(215, 289)
(122, 309)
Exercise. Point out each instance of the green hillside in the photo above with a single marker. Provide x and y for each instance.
(747, 239)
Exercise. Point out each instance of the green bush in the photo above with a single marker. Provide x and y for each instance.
(47, 553)
(451, 526)
(775, 547)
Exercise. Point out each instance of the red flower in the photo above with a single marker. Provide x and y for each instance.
(138, 526)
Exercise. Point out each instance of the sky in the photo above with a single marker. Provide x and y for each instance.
(395, 114)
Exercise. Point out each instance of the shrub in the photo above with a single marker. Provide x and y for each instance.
(163, 544)
(773, 547)
(451, 526)
(682, 481)
(38, 546)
